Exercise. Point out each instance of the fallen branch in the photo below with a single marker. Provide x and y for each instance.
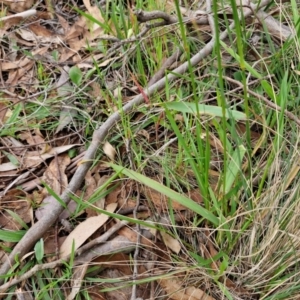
(145, 16)
(40, 228)
(79, 252)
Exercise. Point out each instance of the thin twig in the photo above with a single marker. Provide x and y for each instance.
(146, 16)
(39, 228)
(127, 41)
(37, 144)
(166, 65)
(23, 14)
(269, 103)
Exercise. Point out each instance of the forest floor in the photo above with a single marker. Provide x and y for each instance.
(150, 149)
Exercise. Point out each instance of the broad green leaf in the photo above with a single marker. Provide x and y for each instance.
(39, 250)
(75, 75)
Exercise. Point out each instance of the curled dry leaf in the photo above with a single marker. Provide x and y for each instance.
(160, 201)
(176, 291)
(109, 150)
(55, 176)
(15, 201)
(5, 66)
(77, 280)
(170, 242)
(67, 114)
(18, 6)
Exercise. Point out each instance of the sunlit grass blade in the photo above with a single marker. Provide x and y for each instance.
(211, 110)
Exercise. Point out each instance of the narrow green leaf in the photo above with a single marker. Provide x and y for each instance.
(237, 57)
(11, 236)
(210, 110)
(234, 167)
(10, 125)
(53, 194)
(17, 218)
(11, 158)
(187, 202)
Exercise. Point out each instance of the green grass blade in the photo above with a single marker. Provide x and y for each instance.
(169, 193)
(234, 167)
(11, 236)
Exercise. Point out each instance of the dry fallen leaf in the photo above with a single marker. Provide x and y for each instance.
(160, 201)
(5, 112)
(55, 176)
(77, 280)
(84, 230)
(109, 150)
(35, 139)
(34, 158)
(15, 202)
(41, 35)
(67, 114)
(18, 6)
(95, 12)
(170, 242)
(93, 182)
(177, 291)
(5, 66)
(52, 242)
